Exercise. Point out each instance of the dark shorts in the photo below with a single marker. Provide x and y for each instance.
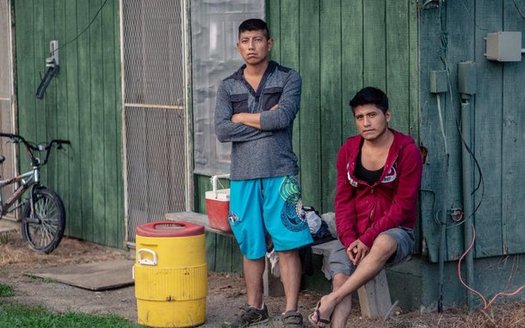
(340, 263)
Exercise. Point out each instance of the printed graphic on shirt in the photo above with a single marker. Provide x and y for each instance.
(233, 218)
(390, 176)
(290, 214)
(353, 183)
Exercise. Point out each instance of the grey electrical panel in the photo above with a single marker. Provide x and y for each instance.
(503, 46)
(438, 81)
(467, 78)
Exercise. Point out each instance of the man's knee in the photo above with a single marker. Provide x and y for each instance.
(338, 280)
(288, 255)
(292, 252)
(384, 246)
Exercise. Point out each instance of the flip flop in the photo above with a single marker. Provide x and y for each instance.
(325, 322)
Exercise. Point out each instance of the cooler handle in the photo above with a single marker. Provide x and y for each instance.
(214, 180)
(145, 261)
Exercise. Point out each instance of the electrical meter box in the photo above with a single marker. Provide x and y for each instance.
(503, 46)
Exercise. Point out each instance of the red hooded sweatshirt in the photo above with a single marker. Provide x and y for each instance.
(363, 211)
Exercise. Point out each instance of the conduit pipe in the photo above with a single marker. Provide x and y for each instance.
(467, 88)
(438, 86)
(443, 220)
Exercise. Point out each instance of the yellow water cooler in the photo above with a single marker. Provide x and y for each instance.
(171, 277)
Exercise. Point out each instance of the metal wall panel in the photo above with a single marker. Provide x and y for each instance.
(154, 110)
(214, 27)
(5, 50)
(7, 124)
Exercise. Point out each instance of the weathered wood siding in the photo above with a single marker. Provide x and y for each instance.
(339, 47)
(451, 34)
(82, 104)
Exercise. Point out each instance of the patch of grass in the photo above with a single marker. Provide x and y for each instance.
(4, 238)
(19, 315)
(6, 290)
(42, 279)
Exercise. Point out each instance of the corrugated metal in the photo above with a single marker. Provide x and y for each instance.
(214, 33)
(81, 104)
(5, 50)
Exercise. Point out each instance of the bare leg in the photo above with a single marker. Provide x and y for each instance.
(343, 308)
(290, 267)
(384, 246)
(253, 277)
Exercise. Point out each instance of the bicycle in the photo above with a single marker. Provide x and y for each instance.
(43, 218)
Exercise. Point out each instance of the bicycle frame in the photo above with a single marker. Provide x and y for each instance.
(28, 180)
(43, 220)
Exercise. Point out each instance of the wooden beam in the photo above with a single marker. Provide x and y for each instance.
(374, 297)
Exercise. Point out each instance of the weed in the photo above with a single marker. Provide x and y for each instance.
(6, 290)
(4, 238)
(19, 315)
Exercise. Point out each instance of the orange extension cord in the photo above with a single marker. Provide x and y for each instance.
(486, 304)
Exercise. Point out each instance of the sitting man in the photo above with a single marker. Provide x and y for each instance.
(378, 178)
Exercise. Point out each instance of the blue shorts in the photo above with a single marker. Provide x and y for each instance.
(340, 263)
(267, 206)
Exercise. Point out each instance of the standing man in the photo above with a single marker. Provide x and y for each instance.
(378, 179)
(255, 110)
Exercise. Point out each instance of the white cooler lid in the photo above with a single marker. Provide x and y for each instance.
(220, 194)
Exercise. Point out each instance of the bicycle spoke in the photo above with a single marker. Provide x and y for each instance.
(49, 212)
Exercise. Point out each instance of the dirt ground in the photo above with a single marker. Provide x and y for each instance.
(226, 293)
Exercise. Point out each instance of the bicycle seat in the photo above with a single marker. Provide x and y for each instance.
(2, 159)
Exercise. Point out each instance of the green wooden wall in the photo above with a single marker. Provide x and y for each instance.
(451, 34)
(339, 47)
(82, 104)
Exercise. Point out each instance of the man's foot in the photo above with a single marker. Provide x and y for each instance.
(321, 319)
(251, 316)
(292, 319)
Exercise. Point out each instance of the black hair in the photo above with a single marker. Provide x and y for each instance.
(370, 96)
(254, 24)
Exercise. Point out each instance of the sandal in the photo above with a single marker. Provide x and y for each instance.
(292, 319)
(320, 322)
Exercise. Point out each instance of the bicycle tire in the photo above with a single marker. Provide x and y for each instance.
(49, 209)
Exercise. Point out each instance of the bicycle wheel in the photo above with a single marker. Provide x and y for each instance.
(45, 235)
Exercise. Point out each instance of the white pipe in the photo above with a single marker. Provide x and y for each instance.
(214, 180)
(442, 124)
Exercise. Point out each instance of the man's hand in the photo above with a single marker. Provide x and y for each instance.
(237, 118)
(249, 119)
(357, 251)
